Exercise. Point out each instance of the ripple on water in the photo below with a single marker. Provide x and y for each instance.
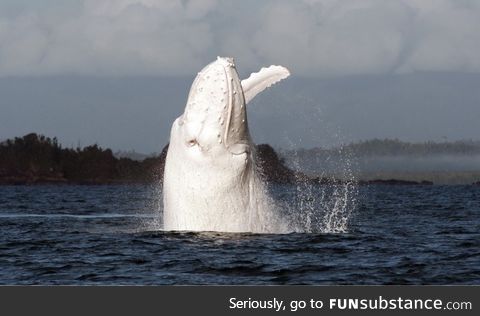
(105, 235)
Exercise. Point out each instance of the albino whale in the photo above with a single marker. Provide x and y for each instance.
(211, 182)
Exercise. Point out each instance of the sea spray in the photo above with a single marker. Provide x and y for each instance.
(311, 206)
(318, 206)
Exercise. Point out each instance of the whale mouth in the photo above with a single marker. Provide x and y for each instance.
(236, 137)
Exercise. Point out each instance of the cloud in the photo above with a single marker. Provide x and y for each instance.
(177, 37)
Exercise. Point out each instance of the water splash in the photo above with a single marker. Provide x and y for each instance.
(154, 205)
(313, 207)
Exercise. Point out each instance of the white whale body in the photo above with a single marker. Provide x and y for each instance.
(211, 182)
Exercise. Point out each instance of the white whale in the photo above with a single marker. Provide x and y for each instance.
(211, 182)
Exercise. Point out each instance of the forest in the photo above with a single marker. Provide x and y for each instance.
(40, 159)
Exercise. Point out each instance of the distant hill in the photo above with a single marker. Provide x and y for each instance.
(39, 159)
(395, 147)
(441, 162)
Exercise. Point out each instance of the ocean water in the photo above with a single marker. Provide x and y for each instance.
(111, 235)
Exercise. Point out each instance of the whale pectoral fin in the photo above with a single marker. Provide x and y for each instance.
(259, 81)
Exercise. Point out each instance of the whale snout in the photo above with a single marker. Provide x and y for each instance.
(215, 113)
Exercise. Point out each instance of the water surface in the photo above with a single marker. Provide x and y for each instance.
(110, 235)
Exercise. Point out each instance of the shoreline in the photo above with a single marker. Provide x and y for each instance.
(36, 159)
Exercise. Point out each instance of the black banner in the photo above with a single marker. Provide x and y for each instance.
(256, 300)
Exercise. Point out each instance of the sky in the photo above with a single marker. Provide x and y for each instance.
(117, 72)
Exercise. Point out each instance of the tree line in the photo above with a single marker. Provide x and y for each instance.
(39, 159)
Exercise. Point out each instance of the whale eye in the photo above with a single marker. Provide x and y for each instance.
(192, 142)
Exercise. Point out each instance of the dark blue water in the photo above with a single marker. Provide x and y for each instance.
(108, 235)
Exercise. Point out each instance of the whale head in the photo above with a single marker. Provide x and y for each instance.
(215, 118)
(213, 130)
